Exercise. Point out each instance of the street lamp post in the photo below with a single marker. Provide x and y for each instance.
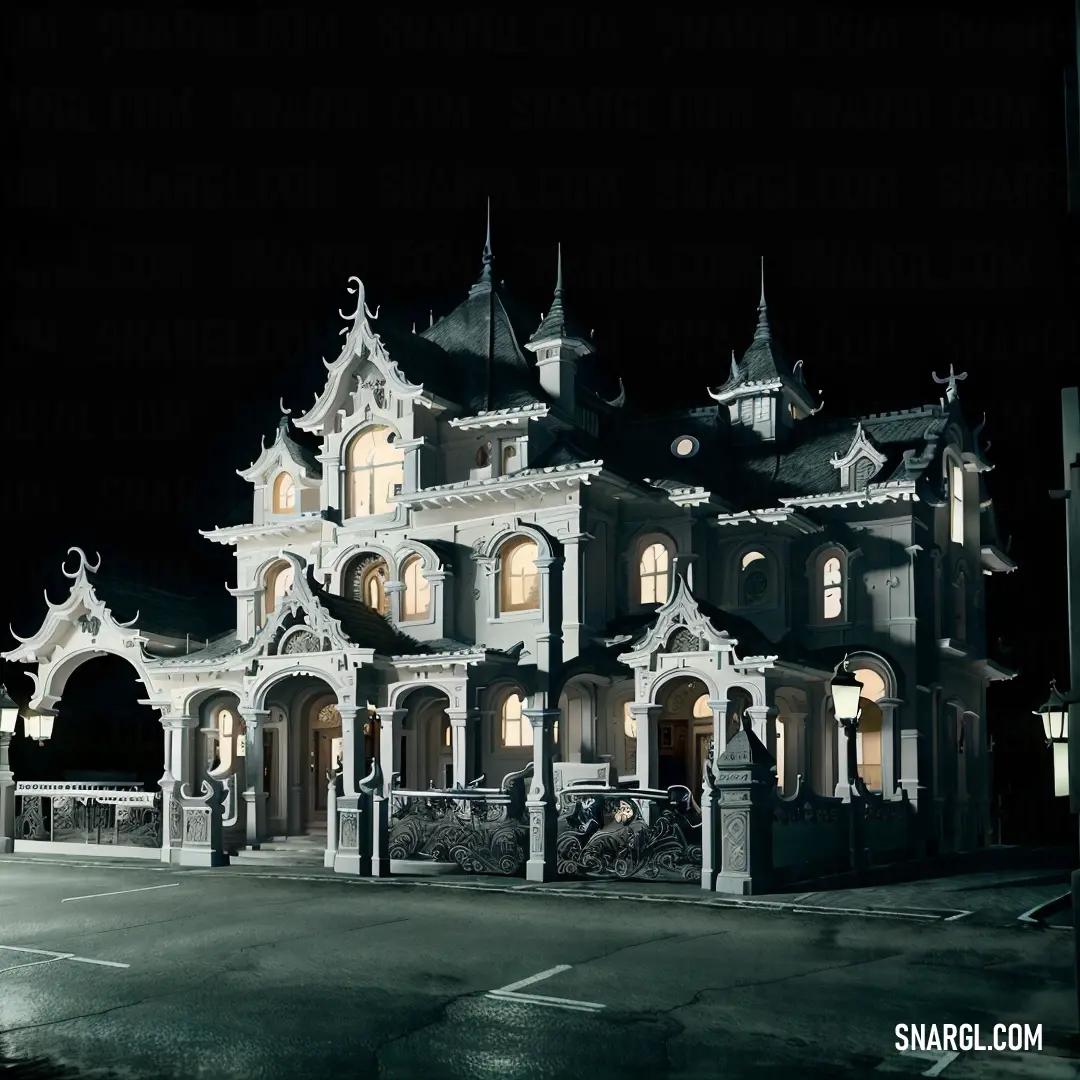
(846, 693)
(1055, 720)
(9, 715)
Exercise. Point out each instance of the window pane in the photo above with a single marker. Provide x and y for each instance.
(832, 607)
(701, 708)
(832, 572)
(750, 557)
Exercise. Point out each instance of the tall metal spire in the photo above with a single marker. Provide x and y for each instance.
(488, 258)
(762, 333)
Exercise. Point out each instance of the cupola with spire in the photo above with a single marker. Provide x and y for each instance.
(763, 393)
(558, 343)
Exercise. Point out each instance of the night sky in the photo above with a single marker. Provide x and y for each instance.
(190, 193)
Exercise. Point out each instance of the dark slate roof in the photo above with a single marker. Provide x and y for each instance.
(299, 452)
(362, 625)
(168, 614)
(558, 323)
(422, 361)
(802, 465)
(487, 326)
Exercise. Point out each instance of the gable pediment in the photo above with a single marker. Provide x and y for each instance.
(861, 462)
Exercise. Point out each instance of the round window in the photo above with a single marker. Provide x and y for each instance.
(684, 446)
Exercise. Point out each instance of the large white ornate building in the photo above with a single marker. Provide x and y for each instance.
(468, 522)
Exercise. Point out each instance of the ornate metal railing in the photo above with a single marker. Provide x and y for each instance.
(116, 815)
(629, 833)
(482, 830)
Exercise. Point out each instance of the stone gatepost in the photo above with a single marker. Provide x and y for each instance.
(7, 798)
(330, 854)
(745, 785)
(202, 843)
(540, 804)
(353, 838)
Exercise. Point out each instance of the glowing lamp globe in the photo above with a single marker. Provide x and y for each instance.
(9, 712)
(846, 691)
(1055, 716)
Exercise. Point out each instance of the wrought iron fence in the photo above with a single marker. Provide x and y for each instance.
(629, 833)
(482, 830)
(116, 815)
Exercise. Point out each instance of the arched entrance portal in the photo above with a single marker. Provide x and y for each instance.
(428, 759)
(683, 732)
(101, 733)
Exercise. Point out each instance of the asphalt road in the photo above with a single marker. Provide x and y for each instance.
(239, 976)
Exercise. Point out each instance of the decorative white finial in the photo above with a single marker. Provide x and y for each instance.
(281, 405)
(84, 564)
(361, 303)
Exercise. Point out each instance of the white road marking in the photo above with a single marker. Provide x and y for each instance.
(550, 1003)
(1027, 916)
(533, 979)
(941, 1059)
(959, 915)
(119, 892)
(510, 993)
(64, 956)
(37, 963)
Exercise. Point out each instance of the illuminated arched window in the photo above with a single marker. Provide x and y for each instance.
(509, 457)
(224, 723)
(515, 729)
(374, 466)
(365, 581)
(654, 573)
(416, 601)
(832, 588)
(279, 580)
(519, 585)
(868, 735)
(284, 494)
(447, 735)
(702, 711)
(956, 503)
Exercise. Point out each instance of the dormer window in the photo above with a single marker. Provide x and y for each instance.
(654, 573)
(509, 457)
(366, 580)
(956, 504)
(277, 583)
(284, 494)
(861, 473)
(374, 469)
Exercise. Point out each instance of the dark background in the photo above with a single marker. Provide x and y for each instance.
(189, 193)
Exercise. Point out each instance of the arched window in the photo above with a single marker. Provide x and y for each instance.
(753, 579)
(654, 573)
(868, 735)
(416, 601)
(373, 468)
(279, 580)
(861, 473)
(956, 503)
(224, 723)
(515, 729)
(702, 711)
(960, 601)
(509, 457)
(366, 580)
(832, 588)
(447, 736)
(284, 494)
(519, 585)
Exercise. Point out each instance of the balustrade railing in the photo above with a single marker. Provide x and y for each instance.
(112, 815)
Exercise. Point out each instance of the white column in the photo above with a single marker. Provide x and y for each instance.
(544, 565)
(890, 746)
(543, 817)
(762, 719)
(169, 787)
(7, 798)
(390, 721)
(646, 719)
(843, 788)
(351, 748)
(254, 796)
(394, 591)
(463, 742)
(720, 707)
(571, 595)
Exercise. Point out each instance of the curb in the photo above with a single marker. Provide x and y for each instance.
(924, 915)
